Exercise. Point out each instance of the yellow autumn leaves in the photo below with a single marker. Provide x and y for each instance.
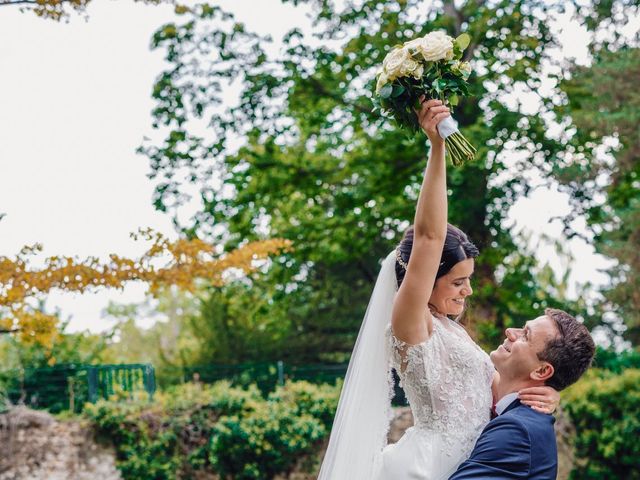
(182, 263)
(61, 9)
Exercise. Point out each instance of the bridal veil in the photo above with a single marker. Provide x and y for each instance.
(362, 419)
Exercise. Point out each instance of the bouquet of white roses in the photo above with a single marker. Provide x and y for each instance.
(429, 66)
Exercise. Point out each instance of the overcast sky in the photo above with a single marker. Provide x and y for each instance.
(75, 102)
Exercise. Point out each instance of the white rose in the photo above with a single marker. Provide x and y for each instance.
(417, 73)
(408, 67)
(417, 44)
(382, 81)
(392, 63)
(411, 67)
(437, 46)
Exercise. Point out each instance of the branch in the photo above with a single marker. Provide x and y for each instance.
(4, 3)
(320, 88)
(451, 11)
(459, 18)
(47, 9)
(13, 330)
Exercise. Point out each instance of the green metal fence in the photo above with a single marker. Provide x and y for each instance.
(270, 374)
(266, 375)
(69, 387)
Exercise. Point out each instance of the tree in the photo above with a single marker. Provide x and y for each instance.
(65, 348)
(318, 167)
(184, 263)
(59, 9)
(169, 344)
(604, 185)
(234, 323)
(244, 321)
(598, 166)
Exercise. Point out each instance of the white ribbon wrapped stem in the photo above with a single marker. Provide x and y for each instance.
(447, 127)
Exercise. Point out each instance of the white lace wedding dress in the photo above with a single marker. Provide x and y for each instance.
(447, 380)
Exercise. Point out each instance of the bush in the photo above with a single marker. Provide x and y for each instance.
(271, 439)
(194, 429)
(263, 444)
(607, 359)
(320, 401)
(605, 409)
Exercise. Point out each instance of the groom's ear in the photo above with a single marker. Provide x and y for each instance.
(543, 373)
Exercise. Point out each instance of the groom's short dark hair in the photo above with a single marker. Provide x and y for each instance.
(570, 352)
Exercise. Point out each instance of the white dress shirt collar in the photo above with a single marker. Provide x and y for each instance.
(505, 401)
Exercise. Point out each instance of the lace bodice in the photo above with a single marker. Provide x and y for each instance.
(447, 380)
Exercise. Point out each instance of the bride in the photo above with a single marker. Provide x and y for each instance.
(447, 378)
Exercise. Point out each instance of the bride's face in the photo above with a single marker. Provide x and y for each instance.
(451, 290)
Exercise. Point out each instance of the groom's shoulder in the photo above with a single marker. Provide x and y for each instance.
(524, 430)
(508, 428)
(521, 423)
(529, 416)
(539, 426)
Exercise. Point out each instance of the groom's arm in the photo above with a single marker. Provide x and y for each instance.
(502, 451)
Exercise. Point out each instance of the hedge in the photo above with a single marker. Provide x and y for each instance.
(195, 429)
(605, 410)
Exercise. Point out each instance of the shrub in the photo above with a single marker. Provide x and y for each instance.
(263, 444)
(320, 401)
(194, 429)
(607, 359)
(605, 409)
(271, 439)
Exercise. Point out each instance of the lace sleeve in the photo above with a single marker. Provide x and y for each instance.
(405, 355)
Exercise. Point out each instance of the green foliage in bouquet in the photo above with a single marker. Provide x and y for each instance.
(444, 79)
(432, 67)
(605, 409)
(197, 431)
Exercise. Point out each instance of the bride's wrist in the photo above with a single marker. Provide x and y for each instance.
(436, 143)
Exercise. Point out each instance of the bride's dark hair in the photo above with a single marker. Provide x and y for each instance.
(457, 247)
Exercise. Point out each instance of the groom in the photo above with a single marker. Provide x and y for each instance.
(555, 350)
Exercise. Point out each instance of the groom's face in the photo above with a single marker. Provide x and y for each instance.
(517, 357)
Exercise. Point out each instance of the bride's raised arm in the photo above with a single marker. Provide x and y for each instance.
(410, 321)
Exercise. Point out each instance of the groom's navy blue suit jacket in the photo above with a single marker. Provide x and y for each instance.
(520, 443)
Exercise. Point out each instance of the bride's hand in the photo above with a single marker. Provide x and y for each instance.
(431, 113)
(541, 399)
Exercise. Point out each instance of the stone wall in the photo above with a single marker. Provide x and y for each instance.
(38, 447)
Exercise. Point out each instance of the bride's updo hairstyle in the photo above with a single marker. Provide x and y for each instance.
(457, 248)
